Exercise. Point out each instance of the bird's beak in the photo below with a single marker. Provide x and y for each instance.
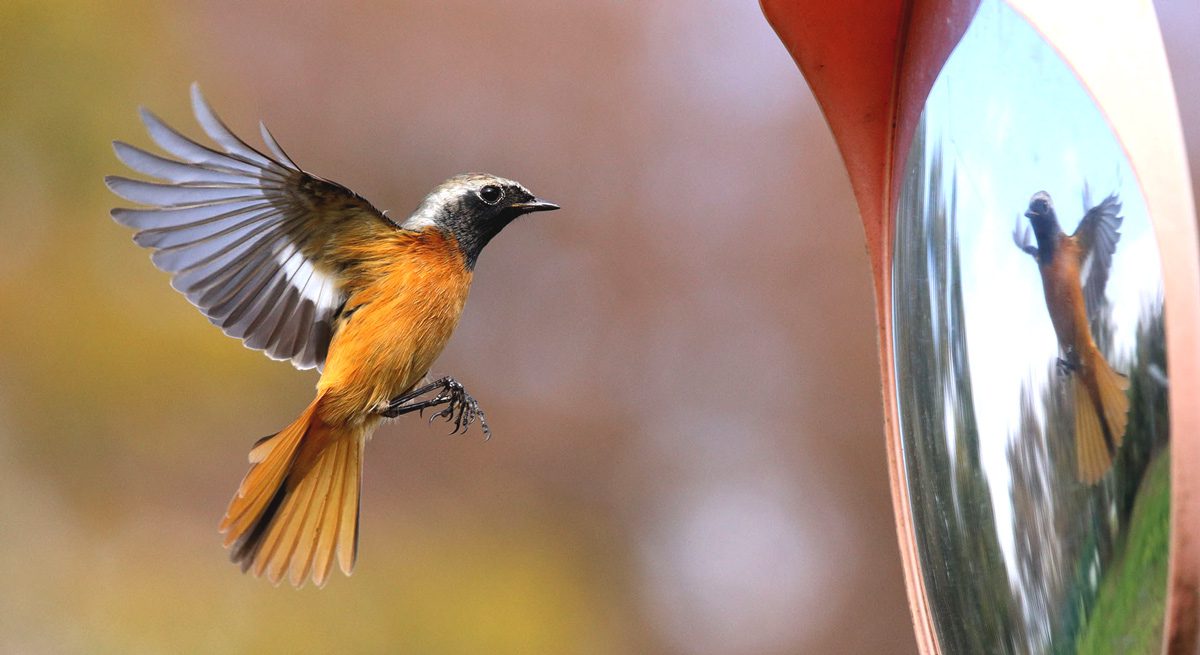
(1030, 214)
(535, 205)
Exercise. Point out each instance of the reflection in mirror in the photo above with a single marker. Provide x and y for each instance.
(1030, 364)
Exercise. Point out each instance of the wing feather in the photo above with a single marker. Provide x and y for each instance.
(274, 146)
(171, 170)
(1097, 236)
(242, 232)
(184, 148)
(166, 219)
(181, 195)
(217, 131)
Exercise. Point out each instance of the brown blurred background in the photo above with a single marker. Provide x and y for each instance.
(679, 367)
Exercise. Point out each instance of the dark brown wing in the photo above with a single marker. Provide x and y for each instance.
(1097, 236)
(242, 234)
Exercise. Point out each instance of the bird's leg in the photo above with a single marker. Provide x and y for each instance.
(460, 408)
(1070, 364)
(394, 409)
(1021, 237)
(402, 404)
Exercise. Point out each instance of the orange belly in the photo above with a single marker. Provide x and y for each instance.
(403, 316)
(1064, 297)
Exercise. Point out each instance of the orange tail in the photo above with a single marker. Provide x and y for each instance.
(1101, 413)
(299, 502)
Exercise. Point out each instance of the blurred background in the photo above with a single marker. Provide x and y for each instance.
(679, 367)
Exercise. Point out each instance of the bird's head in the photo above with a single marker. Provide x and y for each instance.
(1042, 217)
(473, 208)
(1041, 211)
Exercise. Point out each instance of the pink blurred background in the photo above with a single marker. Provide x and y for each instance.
(679, 367)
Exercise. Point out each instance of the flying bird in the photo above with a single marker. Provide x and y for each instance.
(306, 270)
(1074, 273)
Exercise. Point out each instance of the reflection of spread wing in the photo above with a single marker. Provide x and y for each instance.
(242, 234)
(1097, 237)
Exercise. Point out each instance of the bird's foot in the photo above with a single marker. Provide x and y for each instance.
(460, 407)
(1023, 238)
(1069, 364)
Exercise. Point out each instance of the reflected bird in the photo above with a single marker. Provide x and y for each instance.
(1074, 273)
(305, 270)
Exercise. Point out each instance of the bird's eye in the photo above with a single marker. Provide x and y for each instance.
(491, 194)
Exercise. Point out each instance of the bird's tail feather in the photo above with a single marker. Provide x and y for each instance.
(298, 504)
(1099, 430)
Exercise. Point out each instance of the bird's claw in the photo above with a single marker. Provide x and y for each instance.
(461, 408)
(1021, 236)
(1067, 365)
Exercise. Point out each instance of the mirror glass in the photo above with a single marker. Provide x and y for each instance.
(1030, 366)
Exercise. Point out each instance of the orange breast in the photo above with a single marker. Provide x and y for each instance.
(410, 292)
(1064, 295)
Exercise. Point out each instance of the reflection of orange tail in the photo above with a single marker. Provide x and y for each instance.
(1101, 409)
(299, 502)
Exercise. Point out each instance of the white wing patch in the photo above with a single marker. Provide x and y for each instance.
(316, 287)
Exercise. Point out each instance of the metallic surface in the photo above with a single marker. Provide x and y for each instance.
(1018, 555)
(871, 67)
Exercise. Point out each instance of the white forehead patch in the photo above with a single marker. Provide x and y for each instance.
(446, 193)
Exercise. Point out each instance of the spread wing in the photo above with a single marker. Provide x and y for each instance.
(243, 233)
(1097, 236)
